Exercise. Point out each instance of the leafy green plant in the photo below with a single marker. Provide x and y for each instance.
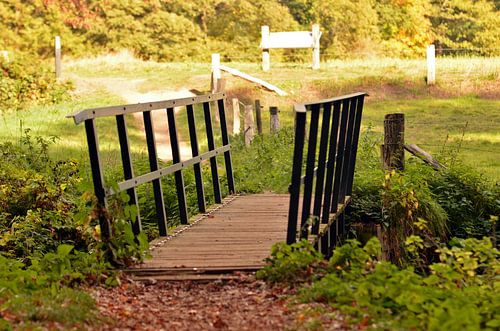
(410, 209)
(37, 293)
(38, 199)
(458, 293)
(469, 199)
(291, 263)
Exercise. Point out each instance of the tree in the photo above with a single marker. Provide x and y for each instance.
(467, 24)
(404, 27)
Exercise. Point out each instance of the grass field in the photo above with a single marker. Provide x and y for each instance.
(460, 116)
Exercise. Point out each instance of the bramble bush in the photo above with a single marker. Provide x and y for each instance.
(25, 80)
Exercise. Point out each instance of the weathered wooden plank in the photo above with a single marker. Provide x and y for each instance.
(238, 235)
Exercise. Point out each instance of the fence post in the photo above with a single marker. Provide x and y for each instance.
(431, 65)
(5, 55)
(57, 50)
(275, 122)
(265, 51)
(216, 74)
(249, 125)
(316, 34)
(236, 116)
(393, 148)
(258, 115)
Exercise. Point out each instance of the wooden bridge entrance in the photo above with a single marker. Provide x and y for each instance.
(234, 236)
(238, 232)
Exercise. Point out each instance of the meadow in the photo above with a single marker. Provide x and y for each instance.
(457, 118)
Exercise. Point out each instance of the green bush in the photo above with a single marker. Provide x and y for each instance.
(291, 263)
(27, 80)
(459, 292)
(435, 205)
(37, 199)
(50, 239)
(470, 200)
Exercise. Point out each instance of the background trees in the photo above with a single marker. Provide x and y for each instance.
(177, 30)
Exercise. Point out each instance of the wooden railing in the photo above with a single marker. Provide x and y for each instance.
(329, 168)
(131, 181)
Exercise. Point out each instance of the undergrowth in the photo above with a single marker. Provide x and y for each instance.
(459, 292)
(50, 239)
(25, 80)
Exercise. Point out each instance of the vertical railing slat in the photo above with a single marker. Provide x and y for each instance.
(310, 162)
(225, 142)
(339, 162)
(200, 192)
(211, 146)
(347, 151)
(97, 175)
(320, 174)
(128, 169)
(330, 167)
(300, 125)
(357, 128)
(176, 158)
(153, 165)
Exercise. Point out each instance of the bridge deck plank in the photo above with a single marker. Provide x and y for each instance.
(239, 235)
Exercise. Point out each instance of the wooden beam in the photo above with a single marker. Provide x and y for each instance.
(252, 79)
(424, 156)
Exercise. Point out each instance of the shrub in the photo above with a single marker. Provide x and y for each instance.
(458, 293)
(469, 199)
(27, 80)
(37, 199)
(291, 263)
(33, 295)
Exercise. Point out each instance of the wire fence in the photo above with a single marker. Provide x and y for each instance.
(300, 55)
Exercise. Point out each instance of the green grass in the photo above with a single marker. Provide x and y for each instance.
(465, 127)
(462, 112)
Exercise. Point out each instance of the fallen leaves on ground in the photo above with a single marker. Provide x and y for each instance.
(241, 304)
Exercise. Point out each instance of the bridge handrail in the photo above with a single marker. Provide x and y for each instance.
(331, 166)
(82, 115)
(131, 181)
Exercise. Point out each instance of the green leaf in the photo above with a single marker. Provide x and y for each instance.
(64, 249)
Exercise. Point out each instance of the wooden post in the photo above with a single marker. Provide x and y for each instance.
(258, 115)
(216, 74)
(431, 65)
(249, 125)
(265, 51)
(5, 55)
(57, 50)
(275, 122)
(393, 148)
(316, 34)
(236, 116)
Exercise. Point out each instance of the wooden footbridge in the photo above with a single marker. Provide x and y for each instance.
(235, 234)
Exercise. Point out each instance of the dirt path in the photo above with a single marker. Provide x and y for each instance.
(244, 304)
(128, 90)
